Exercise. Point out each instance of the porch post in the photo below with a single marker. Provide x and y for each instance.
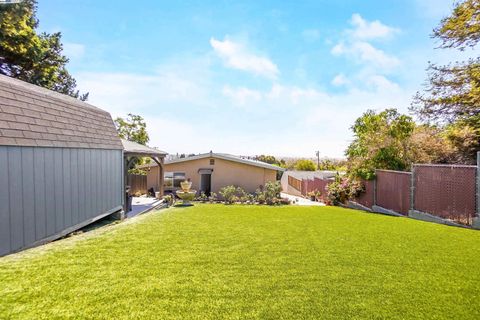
(160, 178)
(159, 162)
(478, 185)
(412, 190)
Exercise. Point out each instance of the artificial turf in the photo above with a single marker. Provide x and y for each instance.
(249, 262)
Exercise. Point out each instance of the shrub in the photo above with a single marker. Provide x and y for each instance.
(259, 196)
(272, 191)
(228, 194)
(168, 199)
(213, 197)
(202, 197)
(251, 198)
(343, 189)
(232, 194)
(269, 194)
(315, 194)
(241, 195)
(305, 165)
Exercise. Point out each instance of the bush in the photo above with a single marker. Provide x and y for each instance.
(202, 197)
(232, 194)
(241, 195)
(168, 199)
(213, 197)
(272, 191)
(305, 165)
(228, 194)
(259, 197)
(343, 189)
(315, 194)
(269, 194)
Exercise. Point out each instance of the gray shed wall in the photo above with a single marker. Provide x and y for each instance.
(46, 192)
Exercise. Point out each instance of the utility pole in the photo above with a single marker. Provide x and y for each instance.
(318, 159)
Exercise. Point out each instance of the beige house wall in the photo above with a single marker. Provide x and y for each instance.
(153, 178)
(224, 173)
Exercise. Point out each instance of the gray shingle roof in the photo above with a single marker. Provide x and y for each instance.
(134, 148)
(311, 174)
(34, 116)
(227, 157)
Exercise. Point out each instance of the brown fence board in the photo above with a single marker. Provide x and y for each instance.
(446, 191)
(393, 190)
(367, 198)
(316, 184)
(295, 183)
(137, 183)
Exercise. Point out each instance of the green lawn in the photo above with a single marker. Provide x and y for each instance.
(244, 262)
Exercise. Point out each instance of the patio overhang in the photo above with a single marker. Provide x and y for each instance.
(133, 150)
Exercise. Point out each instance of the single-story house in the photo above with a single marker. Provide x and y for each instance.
(209, 172)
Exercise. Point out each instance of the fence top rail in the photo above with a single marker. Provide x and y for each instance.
(394, 171)
(445, 165)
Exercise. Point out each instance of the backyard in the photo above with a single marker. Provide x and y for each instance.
(237, 262)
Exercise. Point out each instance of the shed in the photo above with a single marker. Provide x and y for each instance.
(61, 165)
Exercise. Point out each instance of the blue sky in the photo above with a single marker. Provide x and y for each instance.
(248, 77)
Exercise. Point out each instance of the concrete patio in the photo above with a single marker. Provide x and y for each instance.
(143, 204)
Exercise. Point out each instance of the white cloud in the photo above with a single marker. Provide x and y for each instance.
(381, 83)
(340, 80)
(364, 52)
(354, 44)
(311, 35)
(235, 55)
(309, 118)
(241, 95)
(366, 30)
(73, 50)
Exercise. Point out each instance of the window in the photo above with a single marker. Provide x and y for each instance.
(173, 179)
(212, 162)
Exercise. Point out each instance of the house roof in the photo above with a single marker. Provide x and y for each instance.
(223, 156)
(35, 116)
(134, 148)
(311, 174)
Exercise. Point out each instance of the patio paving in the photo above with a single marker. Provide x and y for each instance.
(299, 201)
(142, 204)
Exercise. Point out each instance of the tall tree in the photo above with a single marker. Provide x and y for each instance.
(305, 165)
(381, 141)
(462, 28)
(452, 95)
(30, 56)
(133, 128)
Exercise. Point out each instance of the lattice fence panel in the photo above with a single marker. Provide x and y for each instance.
(446, 191)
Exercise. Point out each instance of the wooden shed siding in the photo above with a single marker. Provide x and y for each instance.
(47, 190)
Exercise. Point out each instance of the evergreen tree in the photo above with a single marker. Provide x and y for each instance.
(32, 57)
(452, 95)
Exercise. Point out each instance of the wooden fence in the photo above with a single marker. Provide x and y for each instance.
(137, 183)
(440, 193)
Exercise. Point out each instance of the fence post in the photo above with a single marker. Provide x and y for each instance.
(477, 198)
(412, 189)
(375, 189)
